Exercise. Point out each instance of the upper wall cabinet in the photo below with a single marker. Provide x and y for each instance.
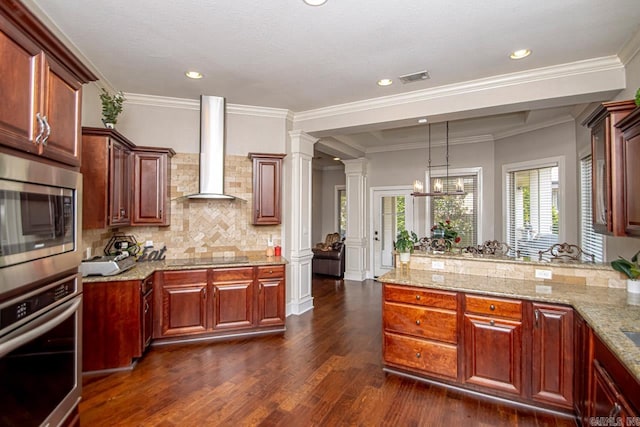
(607, 157)
(41, 88)
(630, 127)
(267, 177)
(151, 175)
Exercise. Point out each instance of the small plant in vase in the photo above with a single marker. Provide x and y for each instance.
(111, 107)
(404, 244)
(444, 230)
(631, 269)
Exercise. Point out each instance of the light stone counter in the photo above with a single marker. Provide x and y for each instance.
(608, 311)
(143, 269)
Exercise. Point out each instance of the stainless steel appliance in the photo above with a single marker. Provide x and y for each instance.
(107, 265)
(39, 217)
(40, 354)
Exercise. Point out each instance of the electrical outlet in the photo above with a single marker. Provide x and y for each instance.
(543, 289)
(543, 274)
(437, 265)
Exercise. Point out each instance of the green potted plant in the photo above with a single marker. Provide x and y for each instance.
(631, 269)
(111, 107)
(404, 244)
(638, 98)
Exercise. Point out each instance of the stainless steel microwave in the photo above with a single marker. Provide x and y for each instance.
(39, 221)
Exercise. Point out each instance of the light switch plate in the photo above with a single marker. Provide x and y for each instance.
(543, 274)
(437, 265)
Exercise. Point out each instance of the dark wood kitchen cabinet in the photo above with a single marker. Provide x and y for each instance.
(116, 325)
(182, 303)
(608, 164)
(267, 178)
(630, 127)
(41, 88)
(151, 178)
(220, 302)
(106, 172)
(553, 355)
(493, 343)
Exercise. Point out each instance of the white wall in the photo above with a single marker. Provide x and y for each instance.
(558, 140)
(317, 212)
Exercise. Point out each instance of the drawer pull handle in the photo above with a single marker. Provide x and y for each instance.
(270, 271)
(492, 322)
(492, 307)
(418, 322)
(418, 297)
(615, 410)
(418, 355)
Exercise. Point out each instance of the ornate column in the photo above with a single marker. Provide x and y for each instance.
(297, 214)
(356, 242)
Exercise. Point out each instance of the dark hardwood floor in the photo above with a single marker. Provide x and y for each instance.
(326, 370)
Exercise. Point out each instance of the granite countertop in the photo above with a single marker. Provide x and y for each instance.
(143, 269)
(608, 311)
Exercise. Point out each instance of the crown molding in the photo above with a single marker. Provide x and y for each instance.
(630, 49)
(194, 104)
(438, 143)
(494, 82)
(536, 126)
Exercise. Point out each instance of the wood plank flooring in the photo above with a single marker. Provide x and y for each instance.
(326, 370)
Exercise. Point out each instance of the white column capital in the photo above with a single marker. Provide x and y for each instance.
(302, 142)
(355, 166)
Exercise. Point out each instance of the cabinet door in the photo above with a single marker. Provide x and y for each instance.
(120, 195)
(184, 303)
(233, 304)
(150, 188)
(632, 181)
(553, 355)
(21, 71)
(271, 310)
(606, 400)
(147, 319)
(493, 353)
(601, 177)
(266, 188)
(62, 104)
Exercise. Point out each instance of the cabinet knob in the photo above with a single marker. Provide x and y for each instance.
(492, 307)
(615, 410)
(492, 322)
(418, 297)
(418, 322)
(418, 355)
(270, 271)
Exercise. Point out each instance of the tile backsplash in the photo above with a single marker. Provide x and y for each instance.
(201, 228)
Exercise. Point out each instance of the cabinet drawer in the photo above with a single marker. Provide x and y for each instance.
(426, 322)
(419, 296)
(494, 306)
(184, 277)
(428, 356)
(226, 274)
(270, 271)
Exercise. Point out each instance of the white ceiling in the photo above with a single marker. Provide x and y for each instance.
(285, 54)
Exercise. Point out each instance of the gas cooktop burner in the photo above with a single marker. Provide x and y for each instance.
(208, 261)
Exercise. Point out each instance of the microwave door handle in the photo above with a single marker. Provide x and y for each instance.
(14, 343)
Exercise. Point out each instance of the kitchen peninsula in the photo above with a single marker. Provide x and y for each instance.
(180, 300)
(487, 326)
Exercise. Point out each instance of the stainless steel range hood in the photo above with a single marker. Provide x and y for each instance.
(212, 141)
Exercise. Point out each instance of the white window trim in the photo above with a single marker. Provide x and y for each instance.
(585, 152)
(536, 164)
(441, 173)
(336, 206)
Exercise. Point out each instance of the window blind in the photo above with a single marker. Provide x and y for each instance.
(590, 241)
(533, 216)
(462, 211)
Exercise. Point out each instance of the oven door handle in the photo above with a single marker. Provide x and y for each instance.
(45, 324)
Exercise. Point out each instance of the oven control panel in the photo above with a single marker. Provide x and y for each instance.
(34, 302)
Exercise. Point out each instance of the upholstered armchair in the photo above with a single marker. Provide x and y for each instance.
(328, 256)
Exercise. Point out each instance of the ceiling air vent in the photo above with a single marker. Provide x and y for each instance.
(414, 77)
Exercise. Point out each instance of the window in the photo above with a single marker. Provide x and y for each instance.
(341, 214)
(590, 241)
(462, 211)
(533, 210)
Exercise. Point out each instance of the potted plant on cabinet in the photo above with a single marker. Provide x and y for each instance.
(631, 269)
(111, 107)
(404, 244)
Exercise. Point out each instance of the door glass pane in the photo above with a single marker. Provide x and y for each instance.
(393, 221)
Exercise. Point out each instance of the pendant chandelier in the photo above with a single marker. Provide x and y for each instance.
(438, 187)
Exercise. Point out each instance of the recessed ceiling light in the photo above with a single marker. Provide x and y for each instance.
(519, 54)
(315, 2)
(384, 82)
(336, 158)
(193, 74)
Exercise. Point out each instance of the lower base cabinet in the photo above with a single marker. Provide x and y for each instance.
(219, 302)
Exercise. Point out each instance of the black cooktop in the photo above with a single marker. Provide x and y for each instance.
(208, 261)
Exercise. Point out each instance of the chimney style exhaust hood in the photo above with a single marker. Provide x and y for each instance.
(212, 140)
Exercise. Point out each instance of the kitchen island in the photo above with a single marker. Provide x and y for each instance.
(534, 342)
(179, 300)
